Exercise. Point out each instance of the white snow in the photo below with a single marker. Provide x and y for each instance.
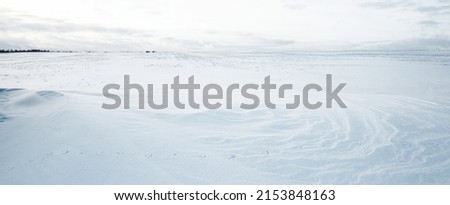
(396, 129)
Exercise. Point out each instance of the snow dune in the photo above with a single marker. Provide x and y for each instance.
(396, 129)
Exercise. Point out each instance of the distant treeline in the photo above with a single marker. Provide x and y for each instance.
(46, 51)
(22, 51)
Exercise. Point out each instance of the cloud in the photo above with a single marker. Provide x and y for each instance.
(388, 4)
(25, 23)
(429, 23)
(239, 42)
(11, 43)
(436, 43)
(431, 7)
(434, 10)
(295, 6)
(28, 31)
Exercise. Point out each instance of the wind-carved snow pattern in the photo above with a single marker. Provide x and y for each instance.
(396, 129)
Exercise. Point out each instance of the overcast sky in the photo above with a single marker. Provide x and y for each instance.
(224, 25)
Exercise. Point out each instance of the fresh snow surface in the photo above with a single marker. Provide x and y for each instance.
(396, 129)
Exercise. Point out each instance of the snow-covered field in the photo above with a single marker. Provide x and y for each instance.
(396, 129)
